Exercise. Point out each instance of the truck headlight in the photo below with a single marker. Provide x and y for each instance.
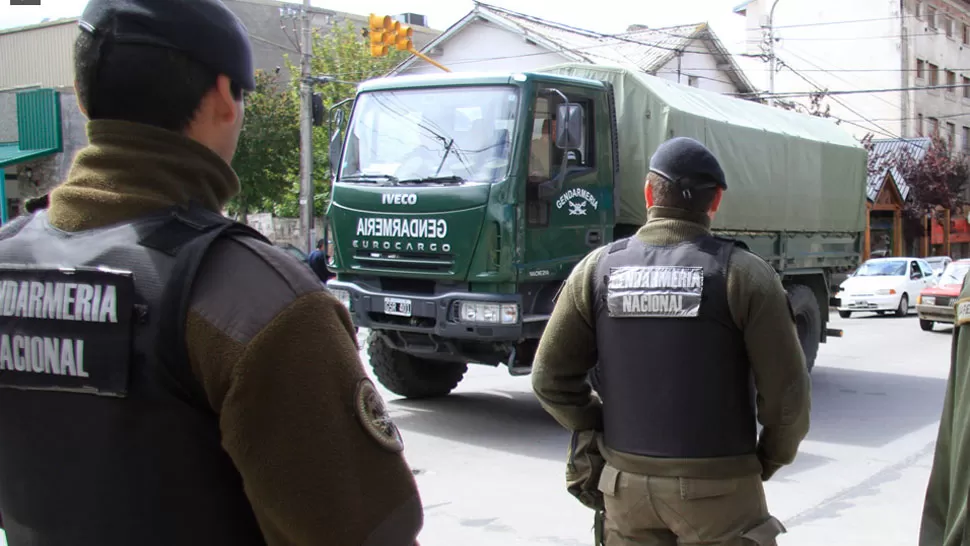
(489, 313)
(342, 295)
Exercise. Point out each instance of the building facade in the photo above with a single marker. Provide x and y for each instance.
(890, 54)
(905, 65)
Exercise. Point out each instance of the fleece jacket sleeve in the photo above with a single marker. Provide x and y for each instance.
(276, 353)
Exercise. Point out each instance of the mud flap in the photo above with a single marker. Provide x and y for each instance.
(764, 534)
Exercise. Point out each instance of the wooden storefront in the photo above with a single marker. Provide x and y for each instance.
(884, 221)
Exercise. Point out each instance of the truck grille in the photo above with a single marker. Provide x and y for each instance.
(412, 261)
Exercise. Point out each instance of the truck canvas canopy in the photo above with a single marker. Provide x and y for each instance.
(816, 171)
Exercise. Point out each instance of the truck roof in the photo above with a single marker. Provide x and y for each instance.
(472, 78)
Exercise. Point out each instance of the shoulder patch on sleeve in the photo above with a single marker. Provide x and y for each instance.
(962, 311)
(373, 416)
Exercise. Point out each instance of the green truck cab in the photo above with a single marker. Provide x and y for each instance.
(462, 201)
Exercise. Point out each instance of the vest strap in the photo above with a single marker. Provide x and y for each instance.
(187, 235)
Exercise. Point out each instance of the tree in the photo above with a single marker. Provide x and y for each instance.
(344, 55)
(267, 158)
(936, 180)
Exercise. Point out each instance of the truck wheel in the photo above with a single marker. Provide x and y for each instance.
(409, 376)
(808, 321)
(926, 325)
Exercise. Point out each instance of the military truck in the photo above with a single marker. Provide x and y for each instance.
(462, 201)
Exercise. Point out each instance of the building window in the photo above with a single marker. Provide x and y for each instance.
(966, 87)
(693, 81)
(919, 124)
(966, 140)
(934, 127)
(951, 136)
(919, 10)
(966, 34)
(948, 24)
(933, 76)
(951, 79)
(920, 69)
(931, 17)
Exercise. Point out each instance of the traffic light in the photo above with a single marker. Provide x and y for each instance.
(382, 33)
(385, 33)
(403, 37)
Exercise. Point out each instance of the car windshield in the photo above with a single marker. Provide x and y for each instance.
(936, 263)
(954, 273)
(443, 135)
(887, 268)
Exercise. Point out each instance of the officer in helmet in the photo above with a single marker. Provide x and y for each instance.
(167, 376)
(675, 322)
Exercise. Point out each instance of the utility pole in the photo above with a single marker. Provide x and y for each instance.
(306, 130)
(771, 55)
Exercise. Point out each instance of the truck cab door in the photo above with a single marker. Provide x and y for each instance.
(563, 228)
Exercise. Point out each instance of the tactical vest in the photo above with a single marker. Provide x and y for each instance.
(673, 371)
(106, 438)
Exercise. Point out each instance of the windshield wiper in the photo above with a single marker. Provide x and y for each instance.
(371, 178)
(439, 179)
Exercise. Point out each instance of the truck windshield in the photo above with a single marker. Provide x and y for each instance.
(445, 135)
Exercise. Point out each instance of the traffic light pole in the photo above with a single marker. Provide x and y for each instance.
(417, 53)
(306, 131)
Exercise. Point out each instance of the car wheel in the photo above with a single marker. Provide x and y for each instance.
(903, 308)
(926, 325)
(845, 314)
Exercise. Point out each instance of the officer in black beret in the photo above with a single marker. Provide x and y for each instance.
(168, 376)
(675, 322)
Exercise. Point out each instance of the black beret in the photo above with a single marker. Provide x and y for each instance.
(682, 160)
(204, 30)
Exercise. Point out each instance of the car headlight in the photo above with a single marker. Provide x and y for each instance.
(885, 291)
(488, 313)
(927, 300)
(342, 295)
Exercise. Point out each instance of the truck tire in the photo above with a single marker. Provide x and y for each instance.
(409, 376)
(808, 321)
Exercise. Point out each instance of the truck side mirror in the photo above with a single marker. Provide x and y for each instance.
(570, 125)
(336, 139)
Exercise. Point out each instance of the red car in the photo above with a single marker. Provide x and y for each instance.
(935, 303)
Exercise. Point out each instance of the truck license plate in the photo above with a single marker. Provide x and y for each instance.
(397, 306)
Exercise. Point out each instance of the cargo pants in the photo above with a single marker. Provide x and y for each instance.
(664, 511)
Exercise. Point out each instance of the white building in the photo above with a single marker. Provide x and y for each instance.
(868, 45)
(492, 38)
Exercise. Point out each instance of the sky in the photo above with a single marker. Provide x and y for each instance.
(608, 16)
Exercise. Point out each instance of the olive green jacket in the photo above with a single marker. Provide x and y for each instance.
(274, 351)
(760, 307)
(944, 521)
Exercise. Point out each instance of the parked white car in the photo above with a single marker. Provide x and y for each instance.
(884, 285)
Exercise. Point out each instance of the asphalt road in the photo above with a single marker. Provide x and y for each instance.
(490, 462)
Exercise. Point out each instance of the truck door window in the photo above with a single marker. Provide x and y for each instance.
(545, 158)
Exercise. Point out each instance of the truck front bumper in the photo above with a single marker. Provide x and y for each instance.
(450, 315)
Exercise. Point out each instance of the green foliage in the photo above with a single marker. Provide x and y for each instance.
(267, 157)
(344, 55)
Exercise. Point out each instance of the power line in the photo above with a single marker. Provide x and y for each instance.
(853, 92)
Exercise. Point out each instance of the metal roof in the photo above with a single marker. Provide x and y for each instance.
(893, 147)
(643, 50)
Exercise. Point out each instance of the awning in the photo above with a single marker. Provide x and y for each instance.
(11, 154)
